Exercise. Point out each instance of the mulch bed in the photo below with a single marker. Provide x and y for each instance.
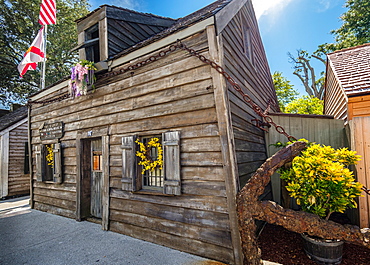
(285, 247)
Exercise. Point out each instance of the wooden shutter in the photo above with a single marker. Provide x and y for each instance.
(57, 177)
(39, 153)
(171, 156)
(129, 178)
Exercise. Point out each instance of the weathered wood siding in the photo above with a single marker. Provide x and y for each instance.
(335, 97)
(18, 181)
(360, 131)
(253, 74)
(174, 93)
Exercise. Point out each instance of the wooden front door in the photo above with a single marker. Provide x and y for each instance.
(91, 178)
(96, 178)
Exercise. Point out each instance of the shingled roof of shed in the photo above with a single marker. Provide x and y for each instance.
(13, 117)
(351, 66)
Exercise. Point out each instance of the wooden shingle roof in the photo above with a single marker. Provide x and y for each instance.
(351, 67)
(13, 117)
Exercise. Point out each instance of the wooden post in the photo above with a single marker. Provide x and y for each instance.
(227, 144)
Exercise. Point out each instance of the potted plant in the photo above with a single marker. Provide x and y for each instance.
(321, 182)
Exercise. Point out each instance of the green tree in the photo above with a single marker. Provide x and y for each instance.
(306, 105)
(19, 20)
(354, 29)
(284, 90)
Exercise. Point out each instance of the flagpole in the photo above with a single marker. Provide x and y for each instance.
(44, 61)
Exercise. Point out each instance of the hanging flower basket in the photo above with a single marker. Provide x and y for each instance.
(82, 76)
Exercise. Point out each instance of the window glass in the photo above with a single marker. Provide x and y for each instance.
(49, 162)
(152, 178)
(93, 51)
(97, 158)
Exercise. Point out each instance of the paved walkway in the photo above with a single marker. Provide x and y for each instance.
(36, 238)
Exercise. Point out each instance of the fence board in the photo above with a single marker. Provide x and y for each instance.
(360, 130)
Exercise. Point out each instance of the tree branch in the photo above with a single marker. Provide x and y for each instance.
(302, 222)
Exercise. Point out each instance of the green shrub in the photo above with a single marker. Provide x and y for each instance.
(320, 181)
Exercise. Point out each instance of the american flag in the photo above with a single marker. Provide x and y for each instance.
(48, 12)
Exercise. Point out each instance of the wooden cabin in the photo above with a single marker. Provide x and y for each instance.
(184, 112)
(347, 97)
(14, 166)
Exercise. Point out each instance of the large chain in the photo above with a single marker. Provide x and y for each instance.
(218, 68)
(214, 65)
(237, 87)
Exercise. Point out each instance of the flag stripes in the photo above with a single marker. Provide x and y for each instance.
(47, 12)
(33, 55)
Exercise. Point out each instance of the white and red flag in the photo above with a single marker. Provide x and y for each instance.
(48, 12)
(33, 55)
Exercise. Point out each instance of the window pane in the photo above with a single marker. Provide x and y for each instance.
(152, 178)
(97, 158)
(49, 162)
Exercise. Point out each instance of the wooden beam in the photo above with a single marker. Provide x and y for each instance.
(4, 164)
(225, 15)
(105, 195)
(227, 143)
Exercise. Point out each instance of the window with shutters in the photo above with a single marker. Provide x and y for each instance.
(48, 163)
(154, 167)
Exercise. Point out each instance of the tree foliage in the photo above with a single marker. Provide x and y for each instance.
(306, 105)
(354, 29)
(19, 20)
(284, 90)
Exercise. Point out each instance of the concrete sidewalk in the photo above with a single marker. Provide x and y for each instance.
(34, 237)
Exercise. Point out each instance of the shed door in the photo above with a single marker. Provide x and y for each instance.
(96, 178)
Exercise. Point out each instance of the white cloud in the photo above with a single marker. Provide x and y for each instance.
(268, 7)
(130, 4)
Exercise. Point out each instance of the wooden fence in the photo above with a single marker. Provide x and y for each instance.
(320, 129)
(360, 141)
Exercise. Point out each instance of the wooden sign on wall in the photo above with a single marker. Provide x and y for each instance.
(52, 131)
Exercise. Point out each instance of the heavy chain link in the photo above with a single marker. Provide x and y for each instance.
(179, 45)
(64, 96)
(237, 87)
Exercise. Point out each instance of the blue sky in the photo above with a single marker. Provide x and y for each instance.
(285, 25)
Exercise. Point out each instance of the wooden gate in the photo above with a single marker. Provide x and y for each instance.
(360, 141)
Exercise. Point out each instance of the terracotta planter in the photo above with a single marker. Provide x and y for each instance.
(323, 251)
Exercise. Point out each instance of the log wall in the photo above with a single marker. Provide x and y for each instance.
(174, 93)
